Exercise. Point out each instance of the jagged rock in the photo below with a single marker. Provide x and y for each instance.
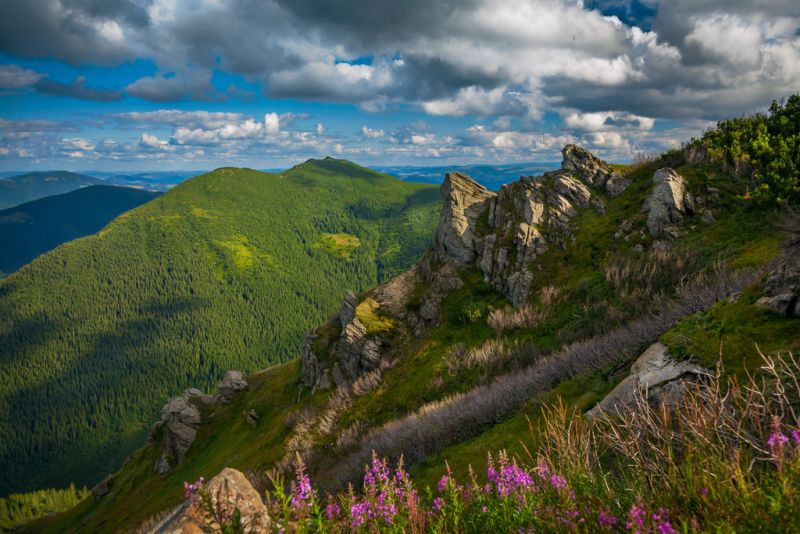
(228, 491)
(782, 290)
(180, 419)
(668, 203)
(310, 366)
(593, 171)
(348, 309)
(232, 384)
(103, 487)
(465, 202)
(351, 344)
(656, 377)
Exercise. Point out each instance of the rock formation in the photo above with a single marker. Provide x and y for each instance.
(181, 417)
(504, 232)
(668, 203)
(232, 384)
(782, 290)
(656, 377)
(353, 353)
(228, 491)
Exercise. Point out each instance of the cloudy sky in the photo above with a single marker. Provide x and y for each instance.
(196, 84)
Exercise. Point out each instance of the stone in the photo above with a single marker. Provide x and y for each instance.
(252, 417)
(464, 202)
(348, 309)
(590, 169)
(231, 386)
(228, 491)
(617, 184)
(656, 377)
(103, 487)
(668, 203)
(638, 247)
(180, 419)
(782, 289)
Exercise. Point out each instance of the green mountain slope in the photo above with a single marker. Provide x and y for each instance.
(33, 228)
(16, 190)
(225, 271)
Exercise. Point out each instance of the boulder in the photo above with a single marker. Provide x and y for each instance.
(231, 386)
(103, 487)
(228, 491)
(782, 290)
(180, 419)
(252, 417)
(464, 202)
(668, 203)
(656, 377)
(347, 311)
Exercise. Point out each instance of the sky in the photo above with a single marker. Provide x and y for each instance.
(198, 84)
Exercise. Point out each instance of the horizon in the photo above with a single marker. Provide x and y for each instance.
(132, 85)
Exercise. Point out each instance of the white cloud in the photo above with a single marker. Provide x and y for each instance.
(272, 124)
(369, 133)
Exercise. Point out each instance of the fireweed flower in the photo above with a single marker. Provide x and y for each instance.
(558, 482)
(636, 517)
(303, 493)
(796, 436)
(332, 510)
(443, 482)
(607, 520)
(777, 440)
(438, 503)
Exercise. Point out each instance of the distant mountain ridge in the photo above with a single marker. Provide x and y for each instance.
(36, 227)
(491, 176)
(15, 190)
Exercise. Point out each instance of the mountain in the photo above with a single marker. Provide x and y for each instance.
(491, 177)
(33, 228)
(152, 181)
(15, 190)
(226, 270)
(550, 288)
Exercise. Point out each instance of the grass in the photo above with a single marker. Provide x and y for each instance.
(341, 245)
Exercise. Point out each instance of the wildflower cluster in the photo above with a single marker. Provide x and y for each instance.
(190, 489)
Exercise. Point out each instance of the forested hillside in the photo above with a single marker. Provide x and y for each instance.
(41, 225)
(15, 190)
(225, 271)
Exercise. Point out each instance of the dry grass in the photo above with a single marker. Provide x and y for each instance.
(528, 315)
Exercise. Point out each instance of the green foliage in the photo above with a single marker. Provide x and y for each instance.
(219, 273)
(766, 147)
(19, 508)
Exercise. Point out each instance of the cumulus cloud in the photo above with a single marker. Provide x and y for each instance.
(369, 133)
(77, 89)
(16, 77)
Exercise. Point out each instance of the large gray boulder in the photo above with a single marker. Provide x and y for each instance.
(228, 491)
(231, 386)
(180, 419)
(782, 290)
(655, 377)
(668, 203)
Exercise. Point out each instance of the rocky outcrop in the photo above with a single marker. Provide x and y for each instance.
(103, 487)
(592, 171)
(503, 233)
(656, 377)
(228, 491)
(353, 353)
(231, 386)
(782, 290)
(668, 203)
(464, 202)
(181, 417)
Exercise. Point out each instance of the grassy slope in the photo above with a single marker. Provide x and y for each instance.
(31, 229)
(738, 238)
(222, 272)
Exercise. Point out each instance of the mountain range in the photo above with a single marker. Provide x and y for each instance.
(15, 190)
(30, 229)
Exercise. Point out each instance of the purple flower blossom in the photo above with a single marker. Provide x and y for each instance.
(332, 510)
(796, 436)
(438, 503)
(703, 491)
(777, 440)
(543, 469)
(443, 482)
(636, 517)
(606, 519)
(191, 489)
(558, 482)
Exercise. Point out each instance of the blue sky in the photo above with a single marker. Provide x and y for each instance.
(197, 84)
